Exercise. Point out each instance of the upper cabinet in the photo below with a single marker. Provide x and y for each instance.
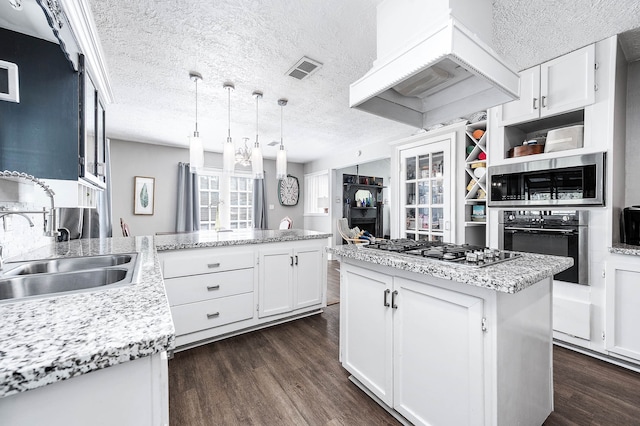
(560, 85)
(57, 130)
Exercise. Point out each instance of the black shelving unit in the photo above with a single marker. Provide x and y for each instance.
(368, 216)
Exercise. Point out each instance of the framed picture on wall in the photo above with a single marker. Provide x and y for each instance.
(143, 195)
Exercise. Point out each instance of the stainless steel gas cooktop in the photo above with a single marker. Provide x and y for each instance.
(460, 254)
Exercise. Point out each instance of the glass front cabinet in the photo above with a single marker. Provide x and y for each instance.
(425, 192)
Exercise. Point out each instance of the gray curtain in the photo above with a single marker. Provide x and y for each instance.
(260, 204)
(91, 223)
(188, 213)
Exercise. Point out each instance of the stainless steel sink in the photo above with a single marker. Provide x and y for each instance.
(42, 284)
(49, 277)
(67, 264)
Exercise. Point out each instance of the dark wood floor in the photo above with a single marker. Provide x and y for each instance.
(290, 375)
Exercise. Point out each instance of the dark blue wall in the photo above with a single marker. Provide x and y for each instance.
(39, 135)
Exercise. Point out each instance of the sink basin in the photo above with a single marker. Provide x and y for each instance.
(68, 264)
(49, 277)
(43, 284)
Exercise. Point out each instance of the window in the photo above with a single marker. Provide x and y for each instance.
(227, 200)
(316, 193)
(209, 199)
(241, 202)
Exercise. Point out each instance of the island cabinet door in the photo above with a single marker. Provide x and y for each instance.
(438, 349)
(309, 274)
(275, 281)
(366, 329)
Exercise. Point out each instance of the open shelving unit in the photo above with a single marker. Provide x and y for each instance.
(476, 182)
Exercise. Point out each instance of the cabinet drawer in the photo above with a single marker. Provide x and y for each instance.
(198, 316)
(208, 286)
(204, 261)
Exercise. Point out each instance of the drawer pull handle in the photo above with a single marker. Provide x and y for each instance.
(213, 265)
(291, 260)
(213, 287)
(296, 259)
(213, 315)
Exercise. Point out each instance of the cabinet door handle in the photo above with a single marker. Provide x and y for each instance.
(291, 260)
(393, 299)
(213, 265)
(386, 293)
(544, 103)
(213, 287)
(296, 259)
(535, 103)
(213, 315)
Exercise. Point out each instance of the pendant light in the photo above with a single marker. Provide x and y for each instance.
(257, 167)
(228, 153)
(281, 157)
(196, 149)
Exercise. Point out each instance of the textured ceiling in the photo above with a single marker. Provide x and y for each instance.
(151, 46)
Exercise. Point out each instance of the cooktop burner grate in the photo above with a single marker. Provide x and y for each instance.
(461, 254)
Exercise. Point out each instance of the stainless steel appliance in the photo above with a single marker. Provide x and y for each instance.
(460, 254)
(631, 225)
(558, 233)
(565, 181)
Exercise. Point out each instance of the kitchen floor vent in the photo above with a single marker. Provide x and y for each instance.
(304, 68)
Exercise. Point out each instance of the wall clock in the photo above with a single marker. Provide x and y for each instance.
(288, 191)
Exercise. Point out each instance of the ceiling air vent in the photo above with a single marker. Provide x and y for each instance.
(304, 68)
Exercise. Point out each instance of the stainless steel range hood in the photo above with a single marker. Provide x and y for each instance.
(431, 67)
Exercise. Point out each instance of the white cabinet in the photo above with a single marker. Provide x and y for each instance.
(440, 352)
(131, 393)
(419, 348)
(216, 292)
(432, 328)
(562, 84)
(209, 288)
(367, 330)
(425, 195)
(290, 278)
(622, 315)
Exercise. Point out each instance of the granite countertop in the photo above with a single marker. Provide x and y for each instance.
(49, 339)
(508, 277)
(620, 248)
(229, 238)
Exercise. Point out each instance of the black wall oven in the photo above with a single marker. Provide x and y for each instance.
(558, 233)
(567, 181)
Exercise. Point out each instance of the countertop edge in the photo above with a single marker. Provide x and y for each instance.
(56, 338)
(626, 249)
(495, 277)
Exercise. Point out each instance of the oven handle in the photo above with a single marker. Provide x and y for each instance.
(540, 230)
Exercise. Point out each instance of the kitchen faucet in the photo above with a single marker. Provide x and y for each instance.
(50, 229)
(4, 213)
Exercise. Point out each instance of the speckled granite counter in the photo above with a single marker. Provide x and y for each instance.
(49, 339)
(620, 248)
(507, 277)
(239, 237)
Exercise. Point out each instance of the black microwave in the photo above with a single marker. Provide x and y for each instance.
(567, 181)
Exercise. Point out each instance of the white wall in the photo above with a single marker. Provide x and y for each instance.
(129, 159)
(632, 186)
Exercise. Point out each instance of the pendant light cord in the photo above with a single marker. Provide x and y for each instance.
(281, 121)
(196, 134)
(229, 115)
(257, 99)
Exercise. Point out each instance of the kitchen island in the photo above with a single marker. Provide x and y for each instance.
(437, 343)
(55, 350)
(220, 284)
